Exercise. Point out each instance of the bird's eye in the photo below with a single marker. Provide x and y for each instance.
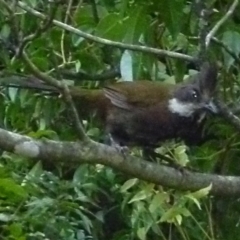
(194, 94)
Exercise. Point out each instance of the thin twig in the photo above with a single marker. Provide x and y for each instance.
(223, 45)
(69, 101)
(106, 41)
(221, 22)
(67, 16)
(60, 85)
(41, 29)
(226, 113)
(203, 16)
(78, 125)
(35, 70)
(227, 49)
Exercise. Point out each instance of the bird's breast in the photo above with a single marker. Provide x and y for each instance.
(144, 127)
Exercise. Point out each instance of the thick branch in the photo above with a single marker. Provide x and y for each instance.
(91, 152)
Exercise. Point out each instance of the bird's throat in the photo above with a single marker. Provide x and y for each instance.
(181, 108)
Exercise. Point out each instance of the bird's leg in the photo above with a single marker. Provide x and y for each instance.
(121, 149)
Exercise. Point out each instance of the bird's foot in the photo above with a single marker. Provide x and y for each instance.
(124, 150)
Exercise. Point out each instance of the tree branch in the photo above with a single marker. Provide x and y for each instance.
(68, 99)
(92, 152)
(227, 114)
(221, 22)
(106, 41)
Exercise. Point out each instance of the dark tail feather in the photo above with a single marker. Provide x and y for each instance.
(27, 82)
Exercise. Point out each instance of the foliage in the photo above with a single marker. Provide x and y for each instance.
(44, 201)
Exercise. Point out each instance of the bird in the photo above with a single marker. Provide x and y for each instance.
(176, 112)
(145, 113)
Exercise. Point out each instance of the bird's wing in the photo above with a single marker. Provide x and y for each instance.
(116, 98)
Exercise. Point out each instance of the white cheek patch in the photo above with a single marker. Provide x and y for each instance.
(183, 109)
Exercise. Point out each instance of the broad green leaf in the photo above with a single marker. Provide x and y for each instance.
(81, 235)
(180, 155)
(16, 230)
(42, 124)
(195, 196)
(87, 223)
(84, 17)
(11, 190)
(77, 66)
(195, 200)
(179, 219)
(41, 203)
(129, 184)
(38, 108)
(136, 25)
(172, 12)
(170, 215)
(111, 27)
(5, 31)
(35, 172)
(232, 40)
(80, 175)
(31, 3)
(140, 196)
(76, 40)
(93, 132)
(202, 192)
(12, 92)
(173, 214)
(141, 232)
(158, 200)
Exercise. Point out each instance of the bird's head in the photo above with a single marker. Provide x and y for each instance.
(197, 95)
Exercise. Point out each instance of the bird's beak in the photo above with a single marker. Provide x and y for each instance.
(211, 106)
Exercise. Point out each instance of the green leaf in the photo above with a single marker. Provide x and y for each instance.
(141, 232)
(158, 201)
(111, 27)
(172, 13)
(180, 155)
(35, 172)
(202, 192)
(179, 219)
(136, 25)
(129, 184)
(195, 201)
(31, 3)
(232, 40)
(93, 132)
(11, 190)
(5, 31)
(198, 195)
(41, 205)
(16, 230)
(140, 196)
(85, 220)
(173, 213)
(12, 92)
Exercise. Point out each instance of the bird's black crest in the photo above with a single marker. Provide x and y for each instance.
(207, 78)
